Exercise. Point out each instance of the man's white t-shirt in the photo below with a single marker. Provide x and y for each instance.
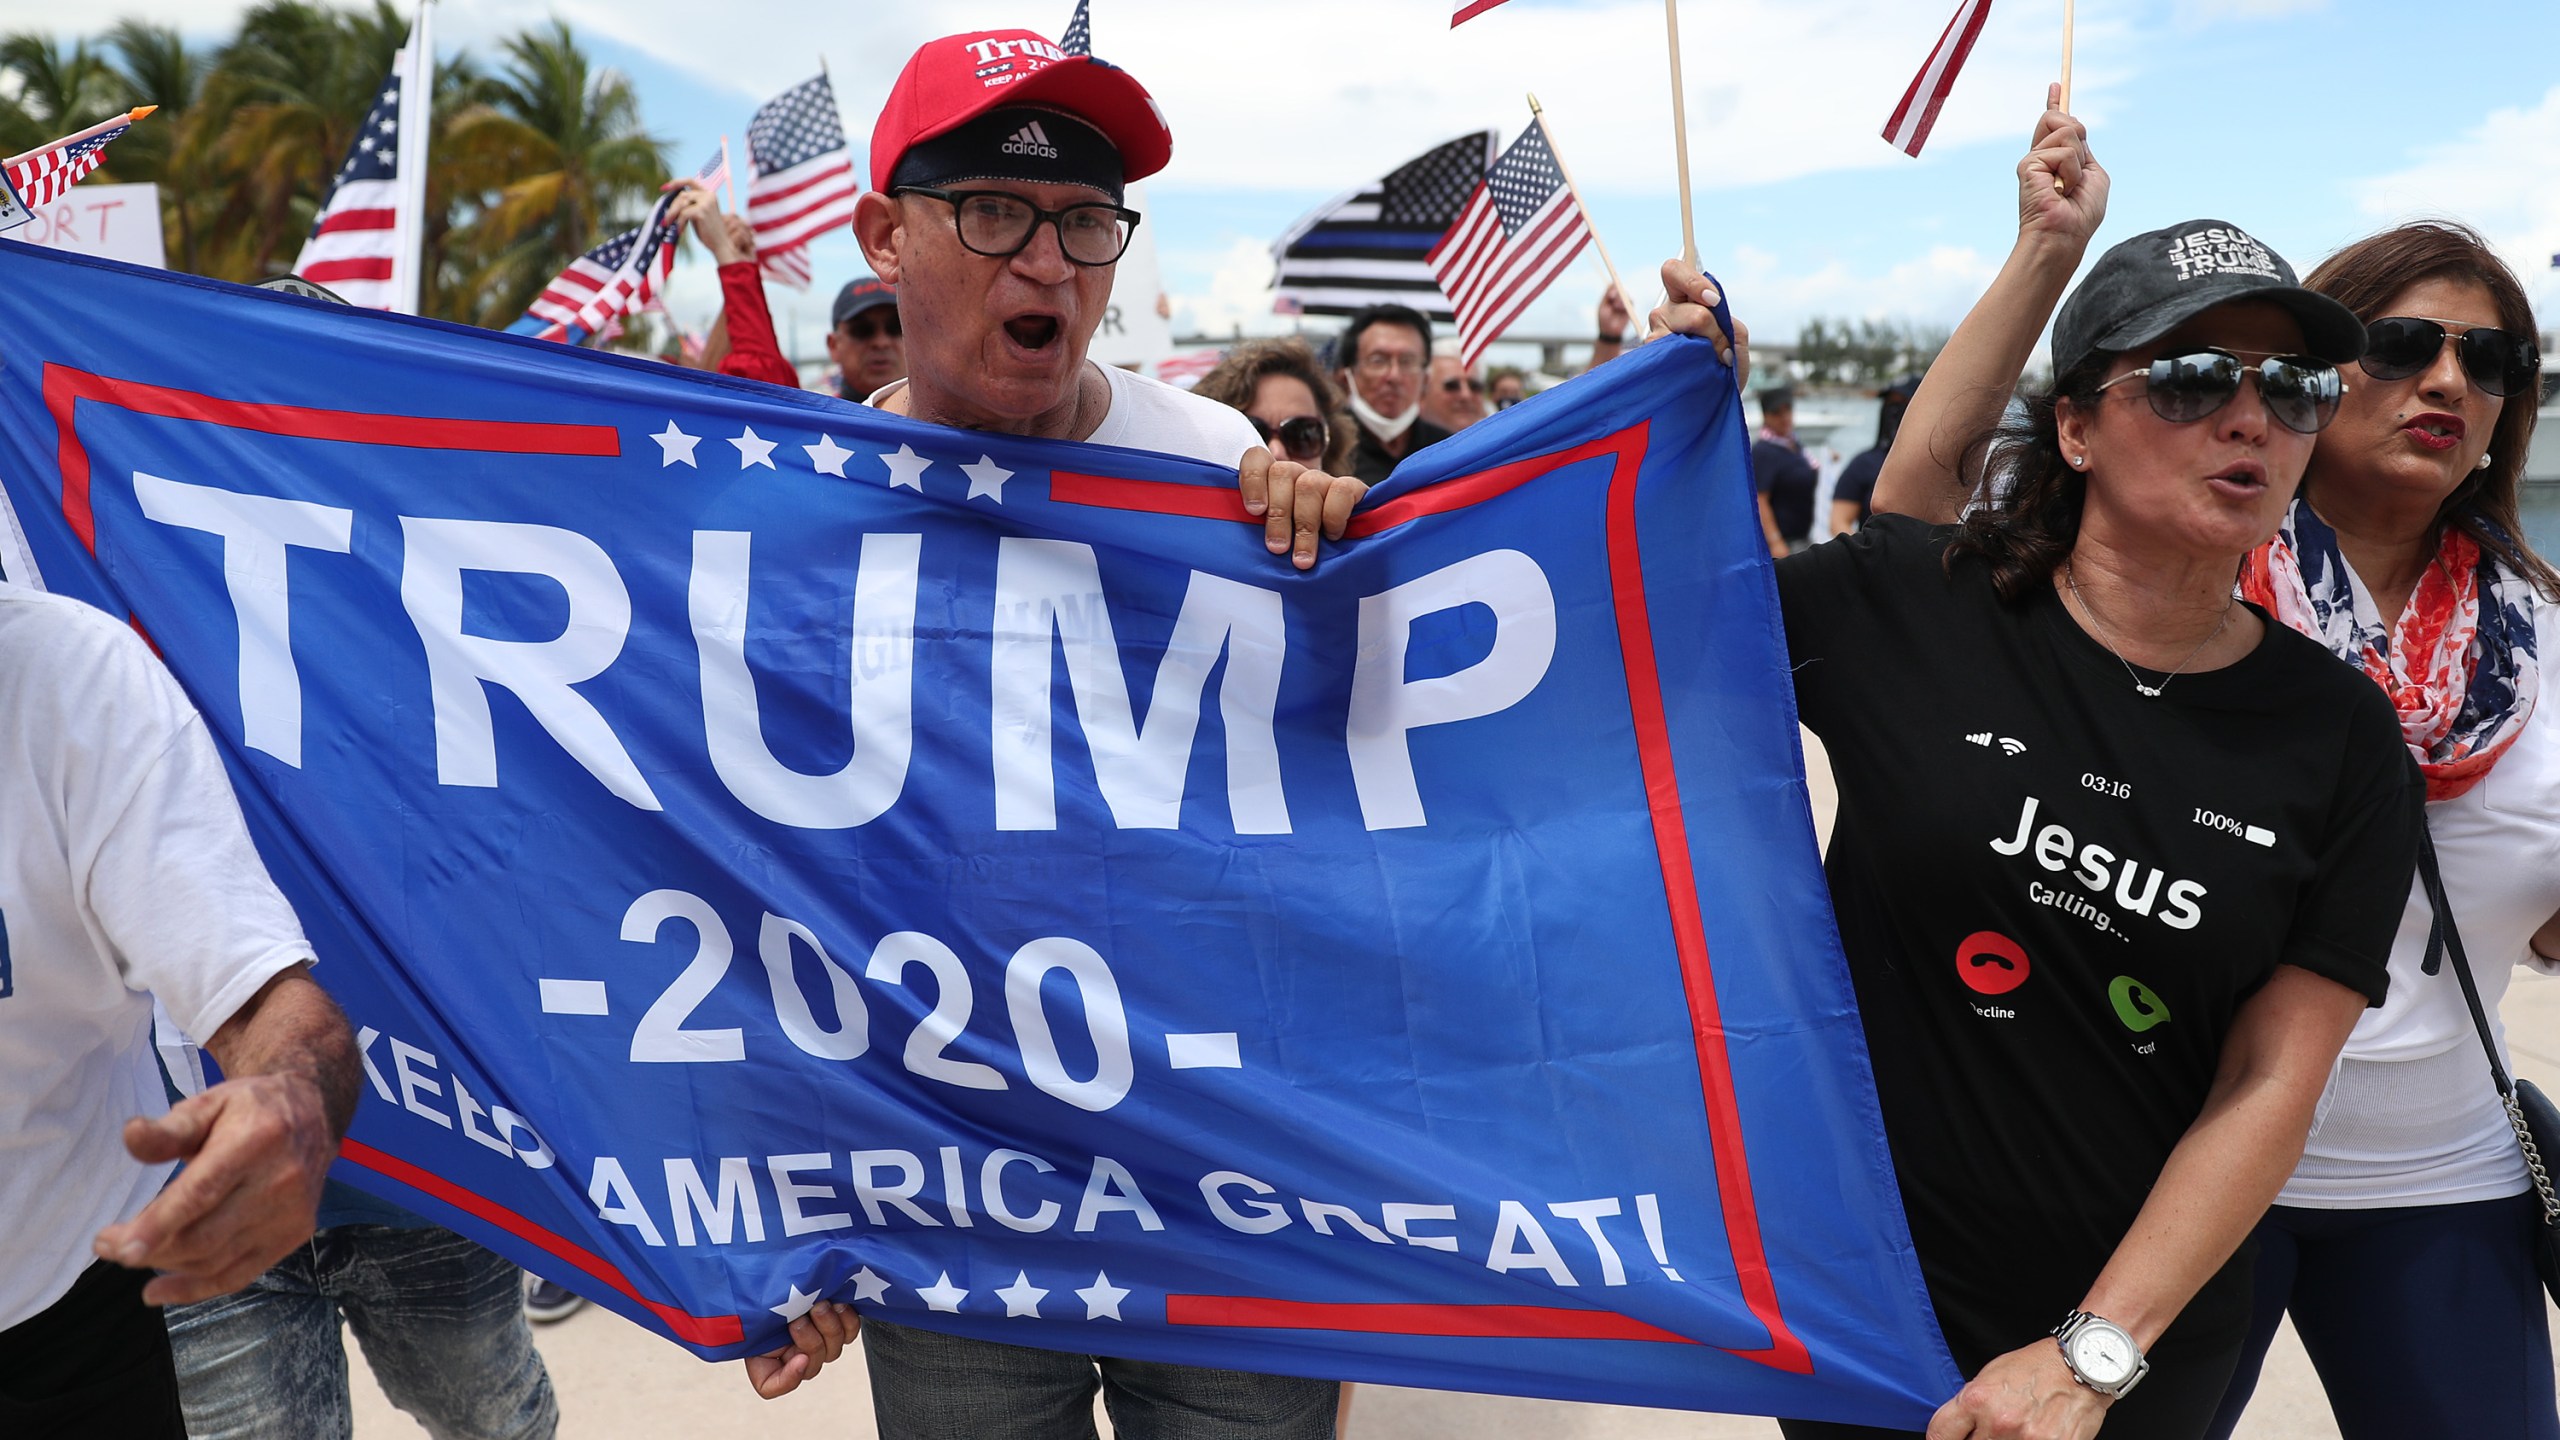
(1163, 419)
(125, 872)
(2410, 1117)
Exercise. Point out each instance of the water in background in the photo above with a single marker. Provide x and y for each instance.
(1843, 425)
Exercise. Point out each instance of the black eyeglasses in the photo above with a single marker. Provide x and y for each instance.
(1456, 383)
(2300, 392)
(999, 224)
(865, 327)
(2498, 361)
(1302, 439)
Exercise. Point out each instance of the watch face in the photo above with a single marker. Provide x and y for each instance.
(2103, 1354)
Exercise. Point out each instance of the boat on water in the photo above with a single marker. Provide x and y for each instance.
(2542, 466)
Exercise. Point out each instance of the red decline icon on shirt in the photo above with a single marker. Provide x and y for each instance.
(1991, 963)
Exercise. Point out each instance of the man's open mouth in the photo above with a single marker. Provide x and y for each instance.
(1032, 332)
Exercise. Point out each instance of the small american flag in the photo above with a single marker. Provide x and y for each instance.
(804, 184)
(1518, 231)
(622, 275)
(1079, 37)
(354, 242)
(42, 178)
(1467, 10)
(1917, 115)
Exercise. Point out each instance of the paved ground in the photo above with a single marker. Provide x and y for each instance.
(618, 1382)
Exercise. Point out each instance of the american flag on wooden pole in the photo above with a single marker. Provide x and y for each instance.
(804, 184)
(364, 244)
(42, 175)
(1917, 115)
(1519, 230)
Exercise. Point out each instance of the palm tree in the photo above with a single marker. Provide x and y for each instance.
(550, 160)
(153, 66)
(57, 90)
(291, 87)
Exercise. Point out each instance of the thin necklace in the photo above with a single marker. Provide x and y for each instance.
(2072, 579)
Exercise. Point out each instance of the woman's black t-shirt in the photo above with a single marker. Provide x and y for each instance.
(2055, 893)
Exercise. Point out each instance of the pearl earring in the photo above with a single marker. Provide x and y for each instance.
(2484, 463)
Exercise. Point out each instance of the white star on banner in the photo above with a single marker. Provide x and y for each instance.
(753, 449)
(987, 478)
(868, 1287)
(797, 1306)
(675, 447)
(906, 468)
(828, 456)
(1102, 1298)
(1022, 1297)
(943, 1295)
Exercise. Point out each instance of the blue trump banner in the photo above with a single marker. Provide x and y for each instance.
(775, 850)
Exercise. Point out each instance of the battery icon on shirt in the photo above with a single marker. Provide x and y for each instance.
(2259, 835)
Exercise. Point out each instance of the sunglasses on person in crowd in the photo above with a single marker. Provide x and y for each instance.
(2498, 361)
(999, 224)
(865, 328)
(1456, 383)
(1302, 439)
(2300, 392)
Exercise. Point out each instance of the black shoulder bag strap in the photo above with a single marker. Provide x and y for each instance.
(2445, 937)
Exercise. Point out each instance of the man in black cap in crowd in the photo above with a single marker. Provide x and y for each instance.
(865, 339)
(1785, 479)
(999, 164)
(1853, 494)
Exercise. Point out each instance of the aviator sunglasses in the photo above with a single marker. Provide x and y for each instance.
(2498, 361)
(2300, 392)
(1302, 439)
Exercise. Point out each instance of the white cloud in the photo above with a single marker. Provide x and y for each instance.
(2502, 177)
(2202, 14)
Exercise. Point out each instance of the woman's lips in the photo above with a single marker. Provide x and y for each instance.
(2435, 431)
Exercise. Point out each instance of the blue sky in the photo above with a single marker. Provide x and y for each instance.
(2306, 121)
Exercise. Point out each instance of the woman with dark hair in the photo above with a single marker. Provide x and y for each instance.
(1283, 391)
(2403, 1241)
(2117, 859)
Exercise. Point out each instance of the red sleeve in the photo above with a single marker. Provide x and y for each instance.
(753, 352)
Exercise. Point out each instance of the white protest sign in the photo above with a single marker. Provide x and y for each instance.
(1132, 332)
(112, 222)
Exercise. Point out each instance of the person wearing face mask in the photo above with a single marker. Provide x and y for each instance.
(2119, 856)
(1282, 390)
(2402, 1244)
(1384, 353)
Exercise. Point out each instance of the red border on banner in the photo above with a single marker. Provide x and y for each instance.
(698, 1329)
(1471, 1322)
(1679, 882)
(65, 387)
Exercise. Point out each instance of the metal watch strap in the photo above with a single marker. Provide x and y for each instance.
(2078, 1320)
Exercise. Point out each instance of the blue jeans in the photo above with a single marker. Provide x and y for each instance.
(929, 1386)
(2421, 1319)
(441, 1321)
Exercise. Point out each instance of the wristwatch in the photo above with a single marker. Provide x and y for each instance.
(2101, 1355)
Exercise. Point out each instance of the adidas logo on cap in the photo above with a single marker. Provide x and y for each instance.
(1030, 140)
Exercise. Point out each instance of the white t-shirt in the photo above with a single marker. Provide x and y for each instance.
(2410, 1117)
(1153, 416)
(125, 872)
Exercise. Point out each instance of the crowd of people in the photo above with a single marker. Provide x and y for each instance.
(2149, 1083)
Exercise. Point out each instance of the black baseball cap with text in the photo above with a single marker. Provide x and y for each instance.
(2151, 284)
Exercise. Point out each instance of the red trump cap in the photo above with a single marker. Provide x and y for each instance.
(954, 80)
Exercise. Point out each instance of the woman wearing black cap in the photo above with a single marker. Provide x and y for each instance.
(2117, 860)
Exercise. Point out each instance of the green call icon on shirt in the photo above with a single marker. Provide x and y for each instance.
(2136, 1004)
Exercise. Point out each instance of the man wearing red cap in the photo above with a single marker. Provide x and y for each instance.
(998, 167)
